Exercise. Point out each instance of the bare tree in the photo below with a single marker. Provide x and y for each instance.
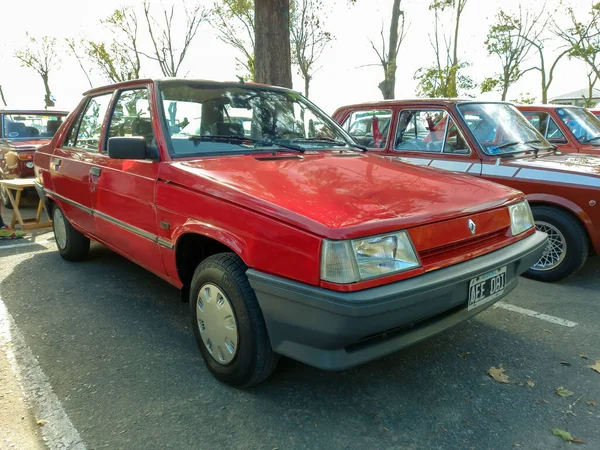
(40, 55)
(273, 62)
(388, 56)
(2, 96)
(308, 38)
(75, 47)
(510, 40)
(165, 52)
(234, 22)
(444, 79)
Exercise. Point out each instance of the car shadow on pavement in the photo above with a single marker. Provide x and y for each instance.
(116, 344)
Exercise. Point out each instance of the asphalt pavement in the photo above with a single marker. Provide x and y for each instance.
(114, 345)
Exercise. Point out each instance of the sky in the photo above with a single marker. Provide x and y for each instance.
(345, 74)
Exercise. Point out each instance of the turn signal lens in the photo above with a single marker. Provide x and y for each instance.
(26, 156)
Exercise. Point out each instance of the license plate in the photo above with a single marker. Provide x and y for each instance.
(487, 287)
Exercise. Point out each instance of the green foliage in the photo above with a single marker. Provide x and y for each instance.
(525, 98)
(489, 84)
(447, 82)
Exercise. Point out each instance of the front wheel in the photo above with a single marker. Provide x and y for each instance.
(4, 198)
(567, 247)
(72, 245)
(228, 324)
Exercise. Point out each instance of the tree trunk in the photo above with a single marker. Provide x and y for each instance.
(306, 85)
(47, 100)
(388, 85)
(504, 91)
(2, 96)
(272, 61)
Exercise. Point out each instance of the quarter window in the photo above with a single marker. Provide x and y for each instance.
(546, 125)
(131, 116)
(369, 127)
(429, 131)
(87, 129)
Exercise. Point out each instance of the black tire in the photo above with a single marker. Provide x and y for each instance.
(575, 237)
(75, 246)
(254, 359)
(4, 198)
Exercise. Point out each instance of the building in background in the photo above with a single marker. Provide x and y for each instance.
(577, 98)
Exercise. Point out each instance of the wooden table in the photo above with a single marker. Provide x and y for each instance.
(17, 185)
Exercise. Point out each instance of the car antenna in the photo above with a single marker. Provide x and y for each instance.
(241, 79)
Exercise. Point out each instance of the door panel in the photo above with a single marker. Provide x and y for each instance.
(124, 205)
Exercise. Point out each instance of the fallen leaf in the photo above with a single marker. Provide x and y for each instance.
(464, 355)
(563, 434)
(530, 383)
(581, 355)
(591, 402)
(596, 366)
(42, 422)
(565, 363)
(498, 374)
(563, 392)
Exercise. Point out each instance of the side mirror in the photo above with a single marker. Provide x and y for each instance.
(127, 148)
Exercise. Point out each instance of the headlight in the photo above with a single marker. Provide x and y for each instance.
(521, 218)
(362, 259)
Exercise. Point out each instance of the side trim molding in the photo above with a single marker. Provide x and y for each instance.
(142, 233)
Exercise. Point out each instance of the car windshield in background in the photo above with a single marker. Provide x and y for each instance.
(501, 129)
(31, 126)
(582, 123)
(216, 119)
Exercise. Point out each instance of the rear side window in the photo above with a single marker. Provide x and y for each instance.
(546, 125)
(131, 116)
(86, 131)
(369, 127)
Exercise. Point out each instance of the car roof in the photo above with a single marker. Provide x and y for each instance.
(424, 101)
(542, 106)
(179, 80)
(47, 112)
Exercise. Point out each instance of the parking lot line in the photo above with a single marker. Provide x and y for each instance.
(58, 432)
(23, 244)
(537, 315)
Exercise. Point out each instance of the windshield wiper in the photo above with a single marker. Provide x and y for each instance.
(235, 139)
(326, 140)
(585, 141)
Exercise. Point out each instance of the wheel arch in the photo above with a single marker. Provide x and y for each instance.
(570, 208)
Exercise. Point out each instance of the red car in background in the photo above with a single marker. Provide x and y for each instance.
(494, 141)
(289, 241)
(21, 132)
(595, 112)
(571, 128)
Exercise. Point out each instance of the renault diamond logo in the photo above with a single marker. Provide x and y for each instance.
(472, 226)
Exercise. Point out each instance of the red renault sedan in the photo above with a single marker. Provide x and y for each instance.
(284, 235)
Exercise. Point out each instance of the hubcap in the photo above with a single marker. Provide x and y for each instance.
(555, 250)
(60, 229)
(216, 322)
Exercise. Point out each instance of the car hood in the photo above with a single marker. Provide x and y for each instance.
(571, 168)
(26, 145)
(340, 195)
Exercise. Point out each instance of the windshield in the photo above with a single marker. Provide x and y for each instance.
(208, 119)
(582, 123)
(501, 129)
(31, 126)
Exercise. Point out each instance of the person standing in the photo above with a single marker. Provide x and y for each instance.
(7, 232)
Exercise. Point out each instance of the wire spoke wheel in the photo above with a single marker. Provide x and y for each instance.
(556, 249)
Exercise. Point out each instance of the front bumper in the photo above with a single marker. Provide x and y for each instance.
(337, 330)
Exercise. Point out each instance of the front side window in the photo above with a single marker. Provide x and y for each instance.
(204, 119)
(429, 130)
(369, 127)
(131, 116)
(545, 124)
(31, 126)
(501, 129)
(582, 123)
(87, 129)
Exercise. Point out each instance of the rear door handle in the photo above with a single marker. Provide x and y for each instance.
(96, 171)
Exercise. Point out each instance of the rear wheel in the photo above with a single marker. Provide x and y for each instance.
(72, 245)
(228, 324)
(567, 247)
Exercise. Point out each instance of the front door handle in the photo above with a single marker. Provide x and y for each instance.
(96, 171)
(56, 163)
